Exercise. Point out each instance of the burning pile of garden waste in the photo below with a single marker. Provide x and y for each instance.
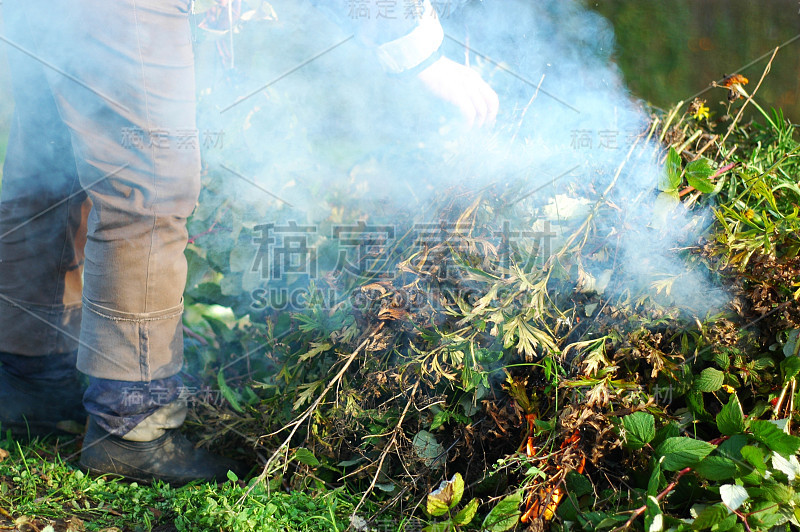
(583, 318)
(501, 360)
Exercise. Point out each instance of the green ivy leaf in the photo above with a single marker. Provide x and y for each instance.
(709, 380)
(774, 438)
(467, 513)
(197, 268)
(698, 174)
(640, 429)
(730, 420)
(682, 452)
(440, 418)
(504, 515)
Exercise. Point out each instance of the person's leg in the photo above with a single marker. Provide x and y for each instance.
(124, 86)
(42, 231)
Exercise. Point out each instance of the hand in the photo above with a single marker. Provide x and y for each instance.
(456, 84)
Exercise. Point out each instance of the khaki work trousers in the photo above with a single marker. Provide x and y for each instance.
(102, 170)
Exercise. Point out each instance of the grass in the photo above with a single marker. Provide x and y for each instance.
(40, 486)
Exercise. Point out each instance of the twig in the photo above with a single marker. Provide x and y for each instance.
(705, 147)
(749, 98)
(639, 511)
(743, 517)
(211, 230)
(387, 449)
(310, 410)
(525, 110)
(584, 227)
(191, 334)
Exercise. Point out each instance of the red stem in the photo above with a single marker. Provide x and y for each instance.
(639, 511)
(718, 173)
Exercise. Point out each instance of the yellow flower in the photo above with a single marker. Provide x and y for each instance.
(701, 113)
(728, 388)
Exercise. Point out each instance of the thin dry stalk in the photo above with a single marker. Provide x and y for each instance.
(310, 410)
(388, 448)
(749, 99)
(525, 110)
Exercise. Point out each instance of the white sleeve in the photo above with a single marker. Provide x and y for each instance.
(401, 34)
(410, 50)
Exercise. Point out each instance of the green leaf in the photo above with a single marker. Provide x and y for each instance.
(732, 447)
(504, 515)
(667, 431)
(228, 394)
(716, 468)
(653, 517)
(726, 524)
(790, 367)
(755, 457)
(671, 178)
(765, 515)
(698, 174)
(682, 452)
(773, 491)
(444, 526)
(467, 513)
(696, 404)
(427, 448)
(656, 479)
(730, 420)
(440, 418)
(710, 516)
(232, 476)
(640, 429)
(197, 268)
(578, 485)
(791, 343)
(304, 456)
(774, 438)
(709, 380)
(610, 520)
(446, 496)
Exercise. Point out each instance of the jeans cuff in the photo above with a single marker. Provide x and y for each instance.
(130, 347)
